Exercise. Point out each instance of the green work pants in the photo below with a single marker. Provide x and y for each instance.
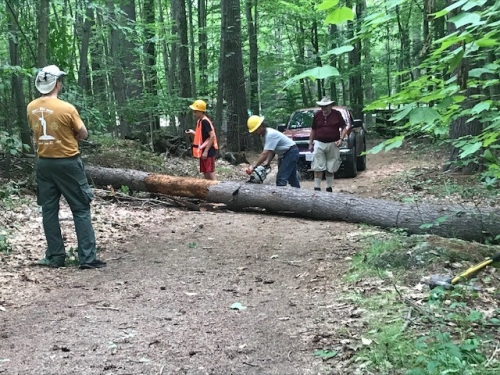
(67, 177)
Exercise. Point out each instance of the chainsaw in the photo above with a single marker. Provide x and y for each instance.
(258, 175)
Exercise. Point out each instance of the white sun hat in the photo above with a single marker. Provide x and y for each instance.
(324, 102)
(46, 78)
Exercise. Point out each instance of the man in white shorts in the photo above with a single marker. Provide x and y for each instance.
(328, 130)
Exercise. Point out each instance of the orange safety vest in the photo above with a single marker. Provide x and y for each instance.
(198, 141)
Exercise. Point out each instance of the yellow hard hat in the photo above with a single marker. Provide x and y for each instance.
(254, 122)
(199, 105)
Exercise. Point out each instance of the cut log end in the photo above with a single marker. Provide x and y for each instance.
(179, 186)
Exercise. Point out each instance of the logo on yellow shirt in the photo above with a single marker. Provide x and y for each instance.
(41, 113)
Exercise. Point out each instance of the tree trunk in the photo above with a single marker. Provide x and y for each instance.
(184, 77)
(251, 15)
(334, 36)
(404, 61)
(355, 78)
(301, 61)
(470, 223)
(233, 77)
(43, 32)
(150, 59)
(83, 70)
(118, 74)
(203, 47)
(165, 51)
(367, 70)
(17, 83)
(102, 75)
(463, 127)
(315, 47)
(127, 82)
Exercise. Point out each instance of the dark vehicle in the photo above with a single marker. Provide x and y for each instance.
(298, 128)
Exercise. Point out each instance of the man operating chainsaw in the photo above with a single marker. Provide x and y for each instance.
(275, 143)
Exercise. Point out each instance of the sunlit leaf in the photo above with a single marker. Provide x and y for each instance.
(327, 4)
(470, 149)
(339, 15)
(488, 155)
(319, 72)
(402, 113)
(478, 71)
(456, 60)
(473, 3)
(480, 107)
(423, 115)
(490, 138)
(376, 149)
(449, 8)
(487, 42)
(395, 143)
(459, 98)
(463, 19)
(339, 50)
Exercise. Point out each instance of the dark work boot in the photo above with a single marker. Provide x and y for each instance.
(317, 189)
(329, 189)
(94, 264)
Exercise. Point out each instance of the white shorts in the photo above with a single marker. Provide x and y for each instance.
(326, 157)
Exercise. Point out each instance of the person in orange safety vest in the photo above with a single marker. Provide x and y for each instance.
(204, 145)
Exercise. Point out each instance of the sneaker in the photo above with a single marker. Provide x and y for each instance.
(317, 189)
(329, 190)
(94, 264)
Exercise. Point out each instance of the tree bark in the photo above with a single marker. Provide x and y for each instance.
(180, 33)
(470, 223)
(165, 51)
(43, 32)
(251, 14)
(127, 76)
(150, 74)
(233, 77)
(83, 70)
(315, 47)
(203, 47)
(17, 82)
(463, 127)
(192, 48)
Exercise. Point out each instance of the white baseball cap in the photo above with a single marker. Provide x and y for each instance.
(46, 78)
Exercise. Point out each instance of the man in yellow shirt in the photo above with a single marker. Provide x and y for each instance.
(57, 127)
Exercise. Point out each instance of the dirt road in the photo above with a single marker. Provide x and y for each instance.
(187, 292)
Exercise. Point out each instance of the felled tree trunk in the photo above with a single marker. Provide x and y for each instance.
(457, 221)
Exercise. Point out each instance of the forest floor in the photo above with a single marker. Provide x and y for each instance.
(215, 291)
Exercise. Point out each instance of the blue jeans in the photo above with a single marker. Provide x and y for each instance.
(287, 169)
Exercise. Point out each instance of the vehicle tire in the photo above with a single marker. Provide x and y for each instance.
(361, 160)
(351, 169)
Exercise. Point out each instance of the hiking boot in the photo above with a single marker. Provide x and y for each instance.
(44, 262)
(317, 189)
(329, 190)
(94, 264)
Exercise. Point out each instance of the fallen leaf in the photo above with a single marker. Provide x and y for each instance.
(237, 306)
(365, 341)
